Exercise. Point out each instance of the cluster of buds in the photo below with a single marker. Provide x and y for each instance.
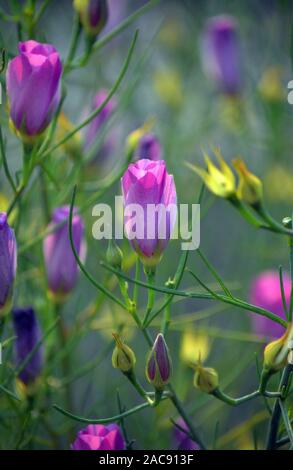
(221, 180)
(158, 366)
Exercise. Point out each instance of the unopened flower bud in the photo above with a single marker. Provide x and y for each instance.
(250, 187)
(114, 255)
(206, 379)
(134, 138)
(123, 357)
(276, 352)
(93, 15)
(159, 364)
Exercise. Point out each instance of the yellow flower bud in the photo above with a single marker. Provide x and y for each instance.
(123, 357)
(276, 352)
(250, 187)
(206, 379)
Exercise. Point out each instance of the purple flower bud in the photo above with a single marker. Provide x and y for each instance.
(28, 334)
(93, 15)
(99, 437)
(149, 147)
(8, 254)
(61, 266)
(181, 440)
(150, 223)
(33, 87)
(159, 365)
(265, 292)
(95, 126)
(221, 55)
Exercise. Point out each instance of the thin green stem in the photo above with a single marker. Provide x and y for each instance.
(214, 273)
(5, 164)
(76, 30)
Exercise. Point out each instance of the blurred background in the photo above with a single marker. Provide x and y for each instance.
(166, 81)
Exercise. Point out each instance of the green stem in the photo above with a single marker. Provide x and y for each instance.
(176, 402)
(274, 423)
(234, 401)
(150, 274)
(74, 42)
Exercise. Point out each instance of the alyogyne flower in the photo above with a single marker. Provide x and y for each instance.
(61, 266)
(93, 15)
(28, 334)
(159, 364)
(250, 187)
(99, 437)
(220, 54)
(8, 254)
(220, 181)
(265, 292)
(33, 88)
(181, 440)
(149, 147)
(150, 210)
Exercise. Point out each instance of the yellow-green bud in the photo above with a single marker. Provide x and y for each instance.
(250, 187)
(123, 357)
(206, 379)
(276, 352)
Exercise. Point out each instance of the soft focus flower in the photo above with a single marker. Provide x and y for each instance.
(181, 440)
(169, 88)
(93, 15)
(276, 352)
(8, 254)
(99, 437)
(123, 357)
(61, 266)
(147, 184)
(279, 184)
(265, 292)
(33, 87)
(97, 123)
(250, 187)
(221, 55)
(149, 147)
(28, 334)
(159, 364)
(194, 346)
(73, 145)
(270, 86)
(220, 181)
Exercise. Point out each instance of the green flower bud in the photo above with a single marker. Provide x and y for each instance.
(123, 357)
(114, 255)
(206, 379)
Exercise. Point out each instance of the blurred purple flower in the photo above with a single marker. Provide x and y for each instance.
(28, 334)
(146, 183)
(99, 437)
(265, 292)
(61, 266)
(220, 53)
(149, 147)
(95, 126)
(181, 440)
(93, 15)
(8, 254)
(159, 365)
(33, 87)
